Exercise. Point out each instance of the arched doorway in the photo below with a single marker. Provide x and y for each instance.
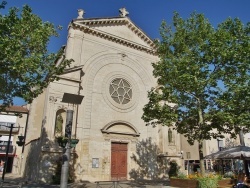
(119, 148)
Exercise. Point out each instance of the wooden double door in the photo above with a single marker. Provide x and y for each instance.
(119, 161)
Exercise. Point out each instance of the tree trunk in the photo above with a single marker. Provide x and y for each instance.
(202, 166)
(200, 142)
(242, 143)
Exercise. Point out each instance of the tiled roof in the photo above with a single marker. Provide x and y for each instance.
(16, 109)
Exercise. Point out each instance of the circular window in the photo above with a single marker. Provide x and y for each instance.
(120, 91)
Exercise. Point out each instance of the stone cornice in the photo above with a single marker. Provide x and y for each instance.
(86, 27)
(73, 69)
(70, 79)
(106, 128)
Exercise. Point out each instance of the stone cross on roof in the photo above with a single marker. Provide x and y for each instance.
(123, 12)
(80, 13)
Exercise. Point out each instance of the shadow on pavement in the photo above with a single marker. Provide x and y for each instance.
(15, 181)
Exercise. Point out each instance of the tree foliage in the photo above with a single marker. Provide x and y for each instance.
(203, 78)
(233, 38)
(27, 66)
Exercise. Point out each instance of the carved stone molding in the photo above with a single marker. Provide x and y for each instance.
(85, 27)
(62, 107)
(123, 12)
(123, 55)
(52, 99)
(81, 12)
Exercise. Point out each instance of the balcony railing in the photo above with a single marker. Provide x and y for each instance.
(5, 127)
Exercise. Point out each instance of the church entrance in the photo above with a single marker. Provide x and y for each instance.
(119, 161)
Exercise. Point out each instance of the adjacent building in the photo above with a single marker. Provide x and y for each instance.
(10, 132)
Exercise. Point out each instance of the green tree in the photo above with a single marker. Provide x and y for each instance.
(174, 169)
(233, 103)
(27, 67)
(197, 67)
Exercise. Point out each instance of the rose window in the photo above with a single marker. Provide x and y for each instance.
(120, 91)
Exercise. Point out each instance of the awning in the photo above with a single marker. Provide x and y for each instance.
(238, 152)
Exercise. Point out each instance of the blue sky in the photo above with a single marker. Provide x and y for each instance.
(146, 14)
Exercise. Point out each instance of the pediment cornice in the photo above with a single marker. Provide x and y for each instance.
(70, 70)
(109, 128)
(88, 26)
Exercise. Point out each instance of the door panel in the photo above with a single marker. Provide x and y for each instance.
(118, 161)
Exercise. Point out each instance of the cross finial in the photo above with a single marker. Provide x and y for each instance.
(80, 13)
(123, 12)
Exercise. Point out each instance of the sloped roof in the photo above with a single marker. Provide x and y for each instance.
(93, 26)
(16, 109)
(237, 152)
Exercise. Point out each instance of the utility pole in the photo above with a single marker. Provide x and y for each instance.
(7, 153)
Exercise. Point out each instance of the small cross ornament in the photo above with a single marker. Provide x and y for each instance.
(123, 12)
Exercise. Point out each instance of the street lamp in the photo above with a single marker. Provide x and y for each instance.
(70, 99)
(19, 143)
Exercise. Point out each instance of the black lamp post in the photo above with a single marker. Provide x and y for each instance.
(20, 143)
(70, 99)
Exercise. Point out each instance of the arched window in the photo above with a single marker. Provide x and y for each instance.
(170, 136)
(59, 123)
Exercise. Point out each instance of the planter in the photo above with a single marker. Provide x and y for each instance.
(190, 183)
(62, 141)
(74, 142)
(183, 183)
(226, 183)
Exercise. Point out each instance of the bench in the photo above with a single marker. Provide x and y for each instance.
(114, 184)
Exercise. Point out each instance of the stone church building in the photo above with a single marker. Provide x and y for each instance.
(103, 92)
(112, 71)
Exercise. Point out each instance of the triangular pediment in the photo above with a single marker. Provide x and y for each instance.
(119, 29)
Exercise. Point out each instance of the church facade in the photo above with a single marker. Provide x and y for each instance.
(99, 101)
(111, 73)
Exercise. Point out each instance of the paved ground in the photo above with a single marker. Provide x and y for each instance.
(15, 181)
